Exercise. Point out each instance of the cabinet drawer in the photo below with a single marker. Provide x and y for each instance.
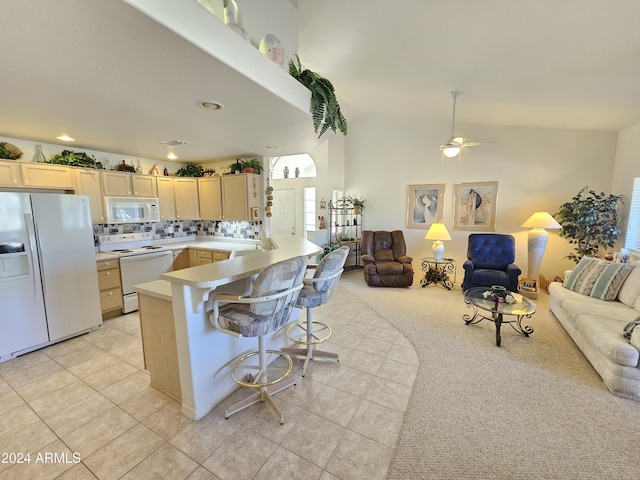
(217, 256)
(108, 264)
(109, 279)
(205, 254)
(110, 300)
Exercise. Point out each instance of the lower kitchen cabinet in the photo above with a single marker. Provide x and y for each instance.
(198, 256)
(110, 287)
(180, 259)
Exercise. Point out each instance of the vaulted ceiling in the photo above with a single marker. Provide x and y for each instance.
(123, 83)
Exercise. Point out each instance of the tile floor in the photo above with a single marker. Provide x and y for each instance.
(84, 409)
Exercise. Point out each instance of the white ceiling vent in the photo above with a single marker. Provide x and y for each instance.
(173, 143)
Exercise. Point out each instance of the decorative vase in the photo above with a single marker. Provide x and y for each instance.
(286, 172)
(297, 172)
(138, 166)
(38, 156)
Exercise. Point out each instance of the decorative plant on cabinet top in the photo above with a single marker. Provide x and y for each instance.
(325, 109)
(590, 221)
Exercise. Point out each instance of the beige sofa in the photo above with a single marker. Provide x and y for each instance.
(596, 326)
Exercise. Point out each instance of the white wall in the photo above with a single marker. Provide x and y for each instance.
(537, 169)
(627, 167)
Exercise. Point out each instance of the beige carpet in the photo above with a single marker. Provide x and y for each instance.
(533, 408)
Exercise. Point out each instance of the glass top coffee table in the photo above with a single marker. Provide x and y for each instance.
(500, 313)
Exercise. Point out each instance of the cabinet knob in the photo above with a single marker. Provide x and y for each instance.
(107, 263)
(108, 273)
(110, 293)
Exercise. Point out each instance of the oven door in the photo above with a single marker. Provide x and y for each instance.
(142, 268)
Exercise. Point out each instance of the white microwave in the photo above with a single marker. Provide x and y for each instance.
(132, 209)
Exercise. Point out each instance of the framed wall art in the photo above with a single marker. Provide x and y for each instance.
(425, 204)
(474, 206)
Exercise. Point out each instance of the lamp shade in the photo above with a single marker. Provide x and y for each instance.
(437, 231)
(541, 220)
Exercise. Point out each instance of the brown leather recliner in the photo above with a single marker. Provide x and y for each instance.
(385, 260)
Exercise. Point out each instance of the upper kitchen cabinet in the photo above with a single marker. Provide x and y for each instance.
(122, 184)
(9, 175)
(166, 198)
(89, 182)
(44, 175)
(185, 190)
(35, 175)
(240, 196)
(135, 102)
(210, 196)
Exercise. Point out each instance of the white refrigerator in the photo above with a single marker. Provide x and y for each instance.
(48, 280)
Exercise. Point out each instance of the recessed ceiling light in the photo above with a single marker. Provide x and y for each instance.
(172, 156)
(210, 105)
(66, 138)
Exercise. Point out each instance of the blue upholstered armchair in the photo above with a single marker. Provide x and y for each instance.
(490, 261)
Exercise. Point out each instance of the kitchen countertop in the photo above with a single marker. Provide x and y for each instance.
(105, 256)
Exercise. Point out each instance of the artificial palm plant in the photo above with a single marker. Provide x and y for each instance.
(325, 109)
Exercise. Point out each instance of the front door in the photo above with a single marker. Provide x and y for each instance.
(283, 221)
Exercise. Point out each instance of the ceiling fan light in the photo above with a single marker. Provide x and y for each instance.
(451, 150)
(459, 140)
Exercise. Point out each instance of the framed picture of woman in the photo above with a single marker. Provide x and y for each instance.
(474, 206)
(425, 204)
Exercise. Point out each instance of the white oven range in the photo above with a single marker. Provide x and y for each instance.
(140, 262)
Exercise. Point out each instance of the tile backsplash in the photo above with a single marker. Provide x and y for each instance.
(185, 228)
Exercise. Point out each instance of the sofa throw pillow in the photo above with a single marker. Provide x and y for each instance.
(582, 278)
(610, 280)
(598, 278)
(630, 289)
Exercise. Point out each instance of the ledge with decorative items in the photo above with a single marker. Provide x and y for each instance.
(598, 304)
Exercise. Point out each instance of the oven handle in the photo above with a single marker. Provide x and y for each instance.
(144, 256)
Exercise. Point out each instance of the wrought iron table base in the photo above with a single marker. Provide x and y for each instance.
(497, 318)
(438, 273)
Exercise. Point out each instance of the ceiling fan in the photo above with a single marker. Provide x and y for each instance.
(453, 146)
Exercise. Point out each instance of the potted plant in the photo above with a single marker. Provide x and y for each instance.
(251, 165)
(190, 170)
(325, 109)
(590, 221)
(236, 167)
(357, 202)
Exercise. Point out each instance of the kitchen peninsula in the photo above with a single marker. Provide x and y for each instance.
(204, 355)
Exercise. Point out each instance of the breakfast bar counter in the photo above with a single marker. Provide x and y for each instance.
(204, 354)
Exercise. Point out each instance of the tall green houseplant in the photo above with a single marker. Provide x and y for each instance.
(325, 109)
(590, 222)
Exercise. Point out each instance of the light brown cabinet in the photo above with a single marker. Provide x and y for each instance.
(9, 175)
(180, 259)
(185, 191)
(110, 287)
(166, 198)
(123, 184)
(42, 175)
(88, 182)
(210, 197)
(200, 256)
(35, 175)
(240, 196)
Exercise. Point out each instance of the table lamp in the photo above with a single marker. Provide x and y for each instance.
(437, 232)
(537, 241)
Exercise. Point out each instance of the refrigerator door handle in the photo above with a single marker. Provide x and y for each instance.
(28, 221)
